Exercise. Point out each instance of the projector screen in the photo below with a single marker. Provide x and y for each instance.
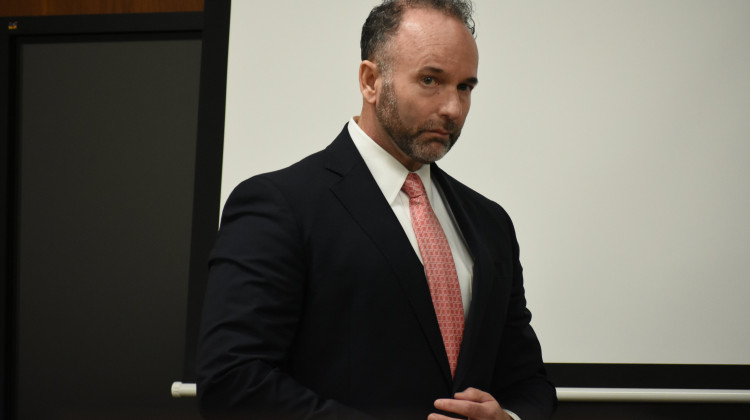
(616, 134)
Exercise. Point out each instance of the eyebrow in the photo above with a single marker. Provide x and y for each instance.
(436, 70)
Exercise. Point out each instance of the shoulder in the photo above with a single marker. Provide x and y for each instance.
(301, 185)
(288, 185)
(318, 169)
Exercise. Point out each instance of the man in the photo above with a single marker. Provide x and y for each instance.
(326, 299)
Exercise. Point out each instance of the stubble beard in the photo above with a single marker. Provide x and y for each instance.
(416, 143)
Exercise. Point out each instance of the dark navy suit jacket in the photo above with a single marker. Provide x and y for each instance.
(318, 307)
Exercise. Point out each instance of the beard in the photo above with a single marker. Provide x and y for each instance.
(417, 143)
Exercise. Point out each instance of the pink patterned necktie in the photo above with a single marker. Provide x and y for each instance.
(439, 268)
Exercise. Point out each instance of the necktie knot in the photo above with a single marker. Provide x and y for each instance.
(413, 186)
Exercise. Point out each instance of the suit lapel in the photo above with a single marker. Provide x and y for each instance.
(481, 276)
(359, 194)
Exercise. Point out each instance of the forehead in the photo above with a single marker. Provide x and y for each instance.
(426, 35)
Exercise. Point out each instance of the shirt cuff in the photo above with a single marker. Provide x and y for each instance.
(512, 414)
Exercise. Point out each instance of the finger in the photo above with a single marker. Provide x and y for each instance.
(473, 394)
(436, 416)
(463, 407)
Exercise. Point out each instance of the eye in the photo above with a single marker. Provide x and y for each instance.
(465, 87)
(428, 80)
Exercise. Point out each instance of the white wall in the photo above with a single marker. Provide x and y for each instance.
(617, 135)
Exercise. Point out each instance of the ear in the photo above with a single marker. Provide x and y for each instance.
(369, 81)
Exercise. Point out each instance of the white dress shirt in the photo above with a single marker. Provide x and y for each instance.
(390, 175)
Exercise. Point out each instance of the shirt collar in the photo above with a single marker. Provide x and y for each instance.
(388, 172)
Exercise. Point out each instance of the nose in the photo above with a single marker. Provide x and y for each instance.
(451, 106)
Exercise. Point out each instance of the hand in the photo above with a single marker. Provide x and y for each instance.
(471, 403)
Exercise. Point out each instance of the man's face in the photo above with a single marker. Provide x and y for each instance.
(426, 93)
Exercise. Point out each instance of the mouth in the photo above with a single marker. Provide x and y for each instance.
(440, 133)
(441, 129)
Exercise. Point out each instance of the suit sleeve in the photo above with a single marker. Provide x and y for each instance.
(253, 303)
(521, 383)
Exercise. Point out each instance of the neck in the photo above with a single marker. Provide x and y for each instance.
(369, 123)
